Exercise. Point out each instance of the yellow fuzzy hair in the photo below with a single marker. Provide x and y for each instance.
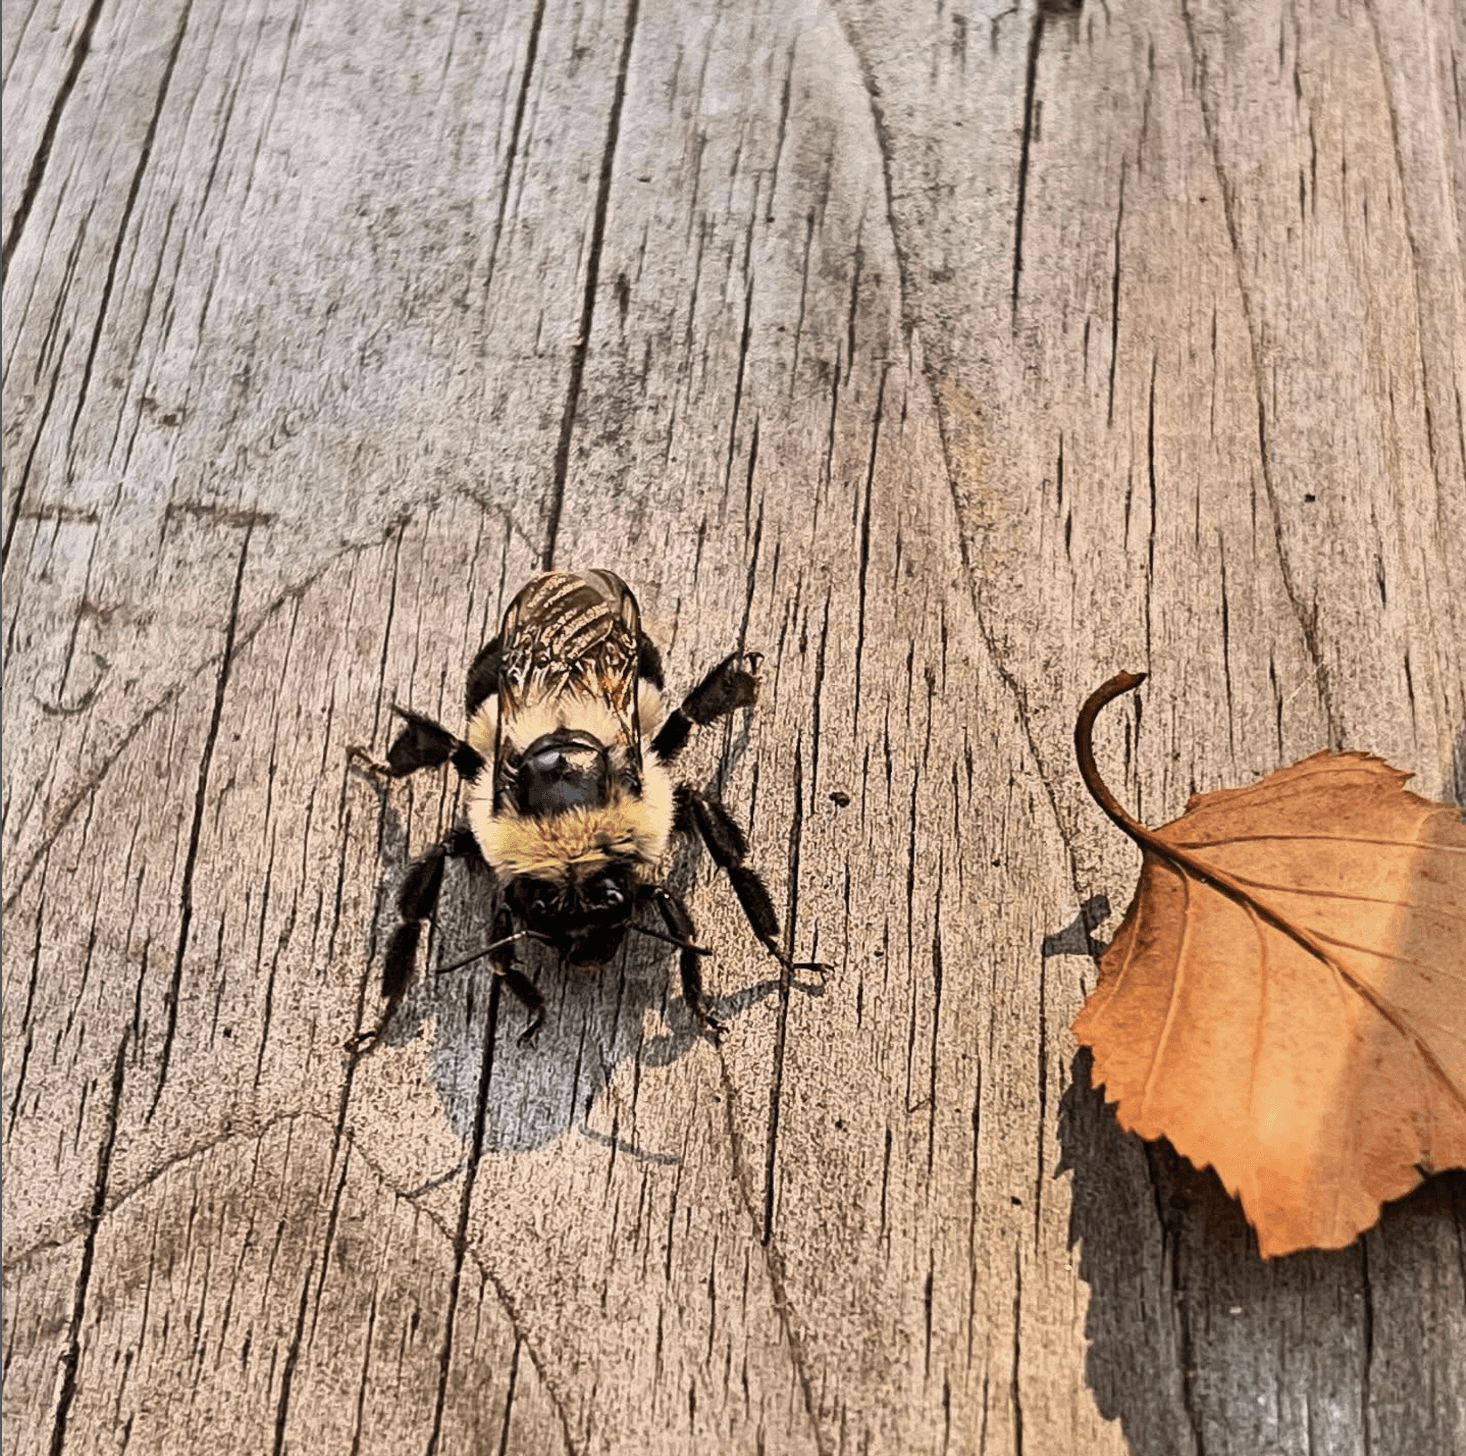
(551, 714)
(569, 846)
(574, 844)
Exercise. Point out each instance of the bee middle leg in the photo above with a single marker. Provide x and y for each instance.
(728, 846)
(649, 662)
(726, 687)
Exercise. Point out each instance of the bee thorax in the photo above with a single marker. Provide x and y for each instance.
(563, 770)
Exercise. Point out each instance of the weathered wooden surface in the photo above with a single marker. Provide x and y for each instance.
(954, 359)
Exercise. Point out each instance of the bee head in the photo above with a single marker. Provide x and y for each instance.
(585, 917)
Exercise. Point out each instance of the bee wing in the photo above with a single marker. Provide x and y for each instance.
(568, 652)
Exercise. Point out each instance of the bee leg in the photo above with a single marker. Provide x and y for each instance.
(679, 922)
(483, 677)
(417, 898)
(725, 688)
(422, 744)
(729, 847)
(649, 662)
(524, 990)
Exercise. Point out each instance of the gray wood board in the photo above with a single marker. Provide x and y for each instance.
(953, 360)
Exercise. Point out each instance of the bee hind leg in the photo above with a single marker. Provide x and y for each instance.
(421, 744)
(483, 677)
(726, 687)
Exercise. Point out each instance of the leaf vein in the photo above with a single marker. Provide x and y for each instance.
(1413, 846)
(1174, 1002)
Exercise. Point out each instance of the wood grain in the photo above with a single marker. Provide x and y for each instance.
(953, 359)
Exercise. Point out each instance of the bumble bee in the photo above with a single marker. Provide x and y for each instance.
(570, 802)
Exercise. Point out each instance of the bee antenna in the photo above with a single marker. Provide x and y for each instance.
(670, 940)
(487, 950)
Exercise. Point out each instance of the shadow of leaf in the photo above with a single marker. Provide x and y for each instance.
(1198, 1345)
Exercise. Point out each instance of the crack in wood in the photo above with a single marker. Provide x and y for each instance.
(582, 343)
(71, 1360)
(206, 758)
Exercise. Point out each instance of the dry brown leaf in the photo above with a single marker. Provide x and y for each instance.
(1286, 998)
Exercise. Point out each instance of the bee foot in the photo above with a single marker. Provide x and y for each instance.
(356, 753)
(363, 1042)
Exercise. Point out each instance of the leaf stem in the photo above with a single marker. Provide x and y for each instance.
(1101, 697)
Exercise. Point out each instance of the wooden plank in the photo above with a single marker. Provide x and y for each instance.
(951, 360)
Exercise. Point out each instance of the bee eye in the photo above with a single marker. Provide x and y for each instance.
(539, 905)
(605, 893)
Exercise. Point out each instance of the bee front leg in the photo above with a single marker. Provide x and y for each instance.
(417, 898)
(524, 990)
(677, 920)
